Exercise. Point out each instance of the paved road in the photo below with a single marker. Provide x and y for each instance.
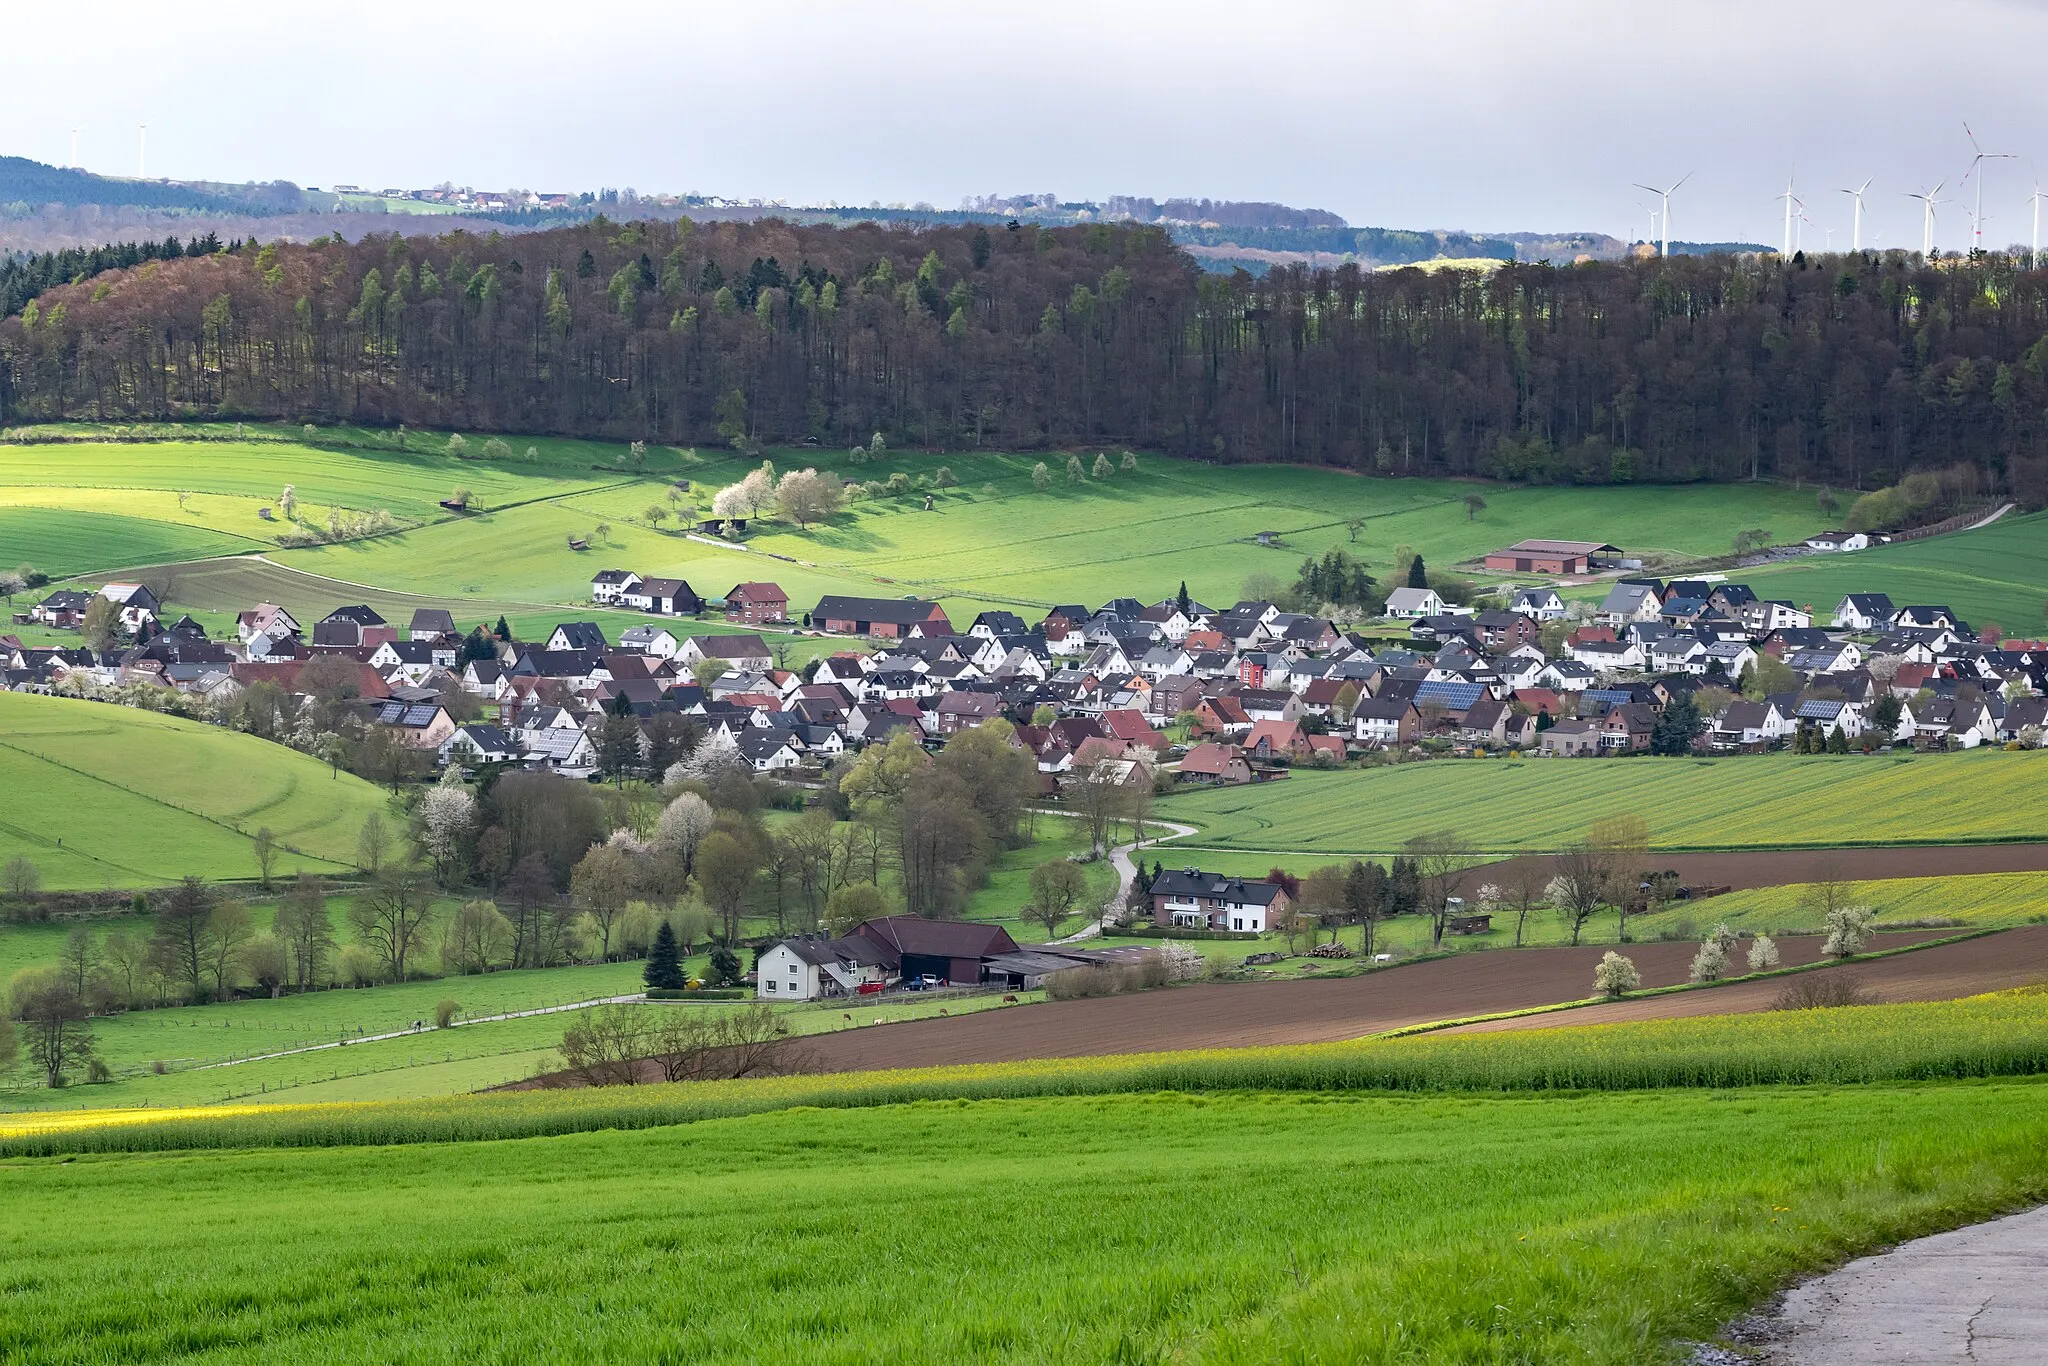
(1979, 1294)
(1120, 859)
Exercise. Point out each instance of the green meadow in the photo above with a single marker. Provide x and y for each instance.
(1992, 576)
(103, 796)
(993, 539)
(1522, 805)
(1389, 1201)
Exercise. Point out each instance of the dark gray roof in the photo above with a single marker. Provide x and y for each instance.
(1192, 882)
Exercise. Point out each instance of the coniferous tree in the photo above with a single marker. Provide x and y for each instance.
(664, 970)
(1418, 577)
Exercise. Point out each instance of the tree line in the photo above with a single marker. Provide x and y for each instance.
(1849, 370)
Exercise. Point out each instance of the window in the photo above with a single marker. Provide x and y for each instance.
(1237, 922)
(770, 985)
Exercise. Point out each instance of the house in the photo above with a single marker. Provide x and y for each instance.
(950, 950)
(958, 711)
(655, 642)
(1828, 716)
(1131, 728)
(769, 751)
(265, 619)
(1502, 631)
(1748, 726)
(813, 969)
(1631, 600)
(350, 628)
(1549, 557)
(1173, 695)
(138, 605)
(64, 609)
(1571, 737)
(1864, 612)
(1221, 716)
(1838, 540)
(1276, 740)
(1917, 618)
(882, 618)
(424, 725)
(663, 598)
(756, 604)
(479, 743)
(1386, 720)
(1212, 765)
(1189, 899)
(608, 586)
(578, 635)
(735, 652)
(1541, 603)
(1407, 604)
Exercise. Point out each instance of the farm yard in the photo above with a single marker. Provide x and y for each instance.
(1709, 1201)
(1689, 804)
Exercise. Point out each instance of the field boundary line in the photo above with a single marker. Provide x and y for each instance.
(1679, 988)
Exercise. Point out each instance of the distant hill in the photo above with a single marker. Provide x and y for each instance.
(27, 186)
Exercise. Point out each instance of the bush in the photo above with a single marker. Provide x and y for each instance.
(444, 1013)
(356, 966)
(1822, 991)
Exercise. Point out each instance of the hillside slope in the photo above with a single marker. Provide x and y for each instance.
(105, 796)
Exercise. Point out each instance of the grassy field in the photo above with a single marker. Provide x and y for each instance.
(66, 541)
(1993, 576)
(992, 540)
(1512, 806)
(104, 796)
(1050, 1209)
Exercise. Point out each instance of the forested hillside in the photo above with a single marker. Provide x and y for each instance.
(1847, 371)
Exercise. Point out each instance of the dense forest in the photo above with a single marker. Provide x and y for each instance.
(1844, 370)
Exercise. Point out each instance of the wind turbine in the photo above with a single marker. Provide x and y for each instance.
(2034, 257)
(1664, 242)
(142, 151)
(1928, 201)
(1653, 220)
(1977, 169)
(1856, 237)
(1789, 199)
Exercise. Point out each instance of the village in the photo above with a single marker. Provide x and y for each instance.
(1163, 694)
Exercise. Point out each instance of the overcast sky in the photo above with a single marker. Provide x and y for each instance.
(1512, 115)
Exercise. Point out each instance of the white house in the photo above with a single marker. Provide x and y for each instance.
(1410, 603)
(653, 641)
(1544, 604)
(808, 969)
(138, 605)
(1863, 612)
(1838, 540)
(609, 586)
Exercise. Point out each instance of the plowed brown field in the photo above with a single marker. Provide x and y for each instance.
(1480, 983)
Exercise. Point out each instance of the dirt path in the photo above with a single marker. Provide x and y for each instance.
(1229, 1015)
(1780, 867)
(1979, 1294)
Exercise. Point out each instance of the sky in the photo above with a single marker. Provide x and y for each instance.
(1492, 115)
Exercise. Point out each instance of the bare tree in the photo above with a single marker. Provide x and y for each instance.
(1056, 885)
(390, 918)
(1624, 842)
(1442, 859)
(1580, 885)
(1522, 884)
(265, 848)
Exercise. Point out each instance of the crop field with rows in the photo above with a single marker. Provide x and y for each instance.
(1521, 805)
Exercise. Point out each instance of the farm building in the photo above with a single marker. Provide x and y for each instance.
(1551, 557)
(663, 597)
(950, 950)
(884, 618)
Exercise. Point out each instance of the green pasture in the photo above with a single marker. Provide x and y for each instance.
(1992, 576)
(1521, 805)
(1368, 1228)
(102, 796)
(65, 541)
(993, 540)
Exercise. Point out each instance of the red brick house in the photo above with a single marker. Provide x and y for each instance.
(1276, 740)
(755, 603)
